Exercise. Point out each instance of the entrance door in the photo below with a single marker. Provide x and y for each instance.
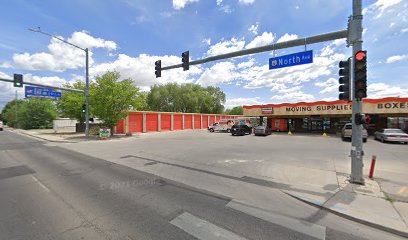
(316, 125)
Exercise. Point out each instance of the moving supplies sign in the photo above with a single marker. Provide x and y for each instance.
(370, 106)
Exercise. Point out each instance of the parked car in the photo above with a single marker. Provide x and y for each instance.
(240, 129)
(346, 132)
(391, 135)
(1, 126)
(262, 131)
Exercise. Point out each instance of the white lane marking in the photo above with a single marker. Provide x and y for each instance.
(304, 227)
(42, 185)
(202, 229)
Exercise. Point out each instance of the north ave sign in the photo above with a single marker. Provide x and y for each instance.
(370, 106)
(291, 60)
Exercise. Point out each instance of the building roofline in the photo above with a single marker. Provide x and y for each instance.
(369, 100)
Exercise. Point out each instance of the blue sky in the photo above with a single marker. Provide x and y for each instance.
(130, 35)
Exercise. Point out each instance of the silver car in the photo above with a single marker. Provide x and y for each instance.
(391, 135)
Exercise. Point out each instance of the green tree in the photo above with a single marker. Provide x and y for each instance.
(238, 110)
(9, 112)
(189, 97)
(70, 104)
(111, 99)
(36, 113)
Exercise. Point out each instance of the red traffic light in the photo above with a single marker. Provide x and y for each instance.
(360, 55)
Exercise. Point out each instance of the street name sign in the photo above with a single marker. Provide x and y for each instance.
(41, 92)
(291, 60)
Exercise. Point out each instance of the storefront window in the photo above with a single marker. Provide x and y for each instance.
(305, 124)
(398, 122)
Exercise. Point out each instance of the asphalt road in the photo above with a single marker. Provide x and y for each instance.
(48, 192)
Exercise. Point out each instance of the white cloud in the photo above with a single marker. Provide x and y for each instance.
(291, 97)
(227, 9)
(233, 102)
(179, 4)
(254, 28)
(262, 40)
(246, 2)
(329, 99)
(381, 90)
(219, 2)
(246, 64)
(61, 56)
(141, 70)
(382, 5)
(52, 81)
(404, 30)
(207, 41)
(396, 58)
(222, 72)
(226, 46)
(287, 37)
(330, 85)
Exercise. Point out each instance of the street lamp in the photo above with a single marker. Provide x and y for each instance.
(86, 92)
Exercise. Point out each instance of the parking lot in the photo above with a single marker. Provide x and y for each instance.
(298, 158)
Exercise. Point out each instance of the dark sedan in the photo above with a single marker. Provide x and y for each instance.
(263, 131)
(240, 130)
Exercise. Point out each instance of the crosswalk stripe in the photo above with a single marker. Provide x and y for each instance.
(202, 229)
(304, 227)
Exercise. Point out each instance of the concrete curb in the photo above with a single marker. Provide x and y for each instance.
(355, 219)
(38, 137)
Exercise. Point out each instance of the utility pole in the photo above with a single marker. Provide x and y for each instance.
(357, 139)
(86, 92)
(16, 108)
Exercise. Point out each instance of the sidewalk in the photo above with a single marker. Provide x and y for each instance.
(50, 136)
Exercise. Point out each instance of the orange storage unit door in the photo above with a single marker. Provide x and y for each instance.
(197, 121)
(165, 122)
(188, 120)
(120, 128)
(178, 121)
(211, 120)
(205, 121)
(151, 122)
(279, 124)
(135, 122)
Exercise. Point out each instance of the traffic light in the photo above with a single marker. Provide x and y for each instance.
(344, 80)
(359, 119)
(18, 80)
(157, 68)
(185, 58)
(83, 108)
(360, 75)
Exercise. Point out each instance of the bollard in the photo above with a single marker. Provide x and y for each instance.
(373, 160)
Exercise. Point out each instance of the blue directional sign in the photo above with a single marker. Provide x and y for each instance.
(291, 60)
(41, 92)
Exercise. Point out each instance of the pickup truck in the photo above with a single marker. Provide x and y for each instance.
(346, 132)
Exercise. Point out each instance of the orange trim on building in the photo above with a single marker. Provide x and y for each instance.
(368, 100)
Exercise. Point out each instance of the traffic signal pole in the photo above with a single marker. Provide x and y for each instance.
(275, 46)
(356, 138)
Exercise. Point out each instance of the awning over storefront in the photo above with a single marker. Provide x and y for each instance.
(391, 106)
